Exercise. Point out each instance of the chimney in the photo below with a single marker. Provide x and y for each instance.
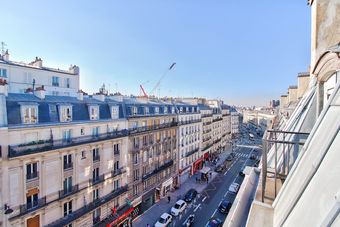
(37, 62)
(40, 92)
(3, 87)
(80, 95)
(74, 69)
(5, 57)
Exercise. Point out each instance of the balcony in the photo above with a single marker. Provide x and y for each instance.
(96, 220)
(191, 152)
(27, 208)
(116, 152)
(88, 208)
(207, 147)
(97, 180)
(206, 115)
(68, 166)
(69, 191)
(117, 172)
(217, 119)
(159, 169)
(188, 122)
(48, 145)
(153, 127)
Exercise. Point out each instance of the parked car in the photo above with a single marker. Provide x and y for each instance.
(241, 173)
(225, 206)
(189, 221)
(178, 208)
(190, 195)
(234, 187)
(164, 220)
(215, 222)
(219, 168)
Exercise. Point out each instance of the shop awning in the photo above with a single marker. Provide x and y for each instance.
(205, 170)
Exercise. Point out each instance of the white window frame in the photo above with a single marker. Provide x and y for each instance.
(65, 113)
(114, 112)
(165, 109)
(94, 112)
(134, 110)
(156, 110)
(29, 117)
(3, 73)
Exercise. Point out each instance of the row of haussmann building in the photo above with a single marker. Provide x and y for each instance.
(70, 159)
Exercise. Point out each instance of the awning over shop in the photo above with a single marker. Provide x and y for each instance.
(205, 170)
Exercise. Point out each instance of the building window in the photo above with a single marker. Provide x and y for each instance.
(68, 185)
(172, 109)
(55, 81)
(67, 208)
(83, 154)
(95, 174)
(95, 194)
(3, 73)
(136, 174)
(67, 82)
(135, 158)
(30, 114)
(156, 110)
(94, 112)
(116, 166)
(114, 112)
(116, 149)
(146, 110)
(95, 131)
(165, 109)
(115, 184)
(134, 110)
(96, 216)
(67, 136)
(65, 113)
(32, 201)
(82, 131)
(95, 154)
(32, 170)
(135, 190)
(68, 161)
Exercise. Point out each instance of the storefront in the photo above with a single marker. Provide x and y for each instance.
(184, 174)
(166, 187)
(121, 217)
(206, 156)
(197, 165)
(148, 200)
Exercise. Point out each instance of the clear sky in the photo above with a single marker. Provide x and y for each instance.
(242, 51)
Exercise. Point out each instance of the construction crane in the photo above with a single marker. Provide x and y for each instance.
(160, 80)
(142, 90)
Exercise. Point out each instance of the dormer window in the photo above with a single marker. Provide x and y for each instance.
(29, 114)
(146, 110)
(181, 109)
(165, 109)
(156, 110)
(3, 73)
(187, 109)
(65, 113)
(172, 109)
(134, 110)
(114, 112)
(192, 109)
(94, 112)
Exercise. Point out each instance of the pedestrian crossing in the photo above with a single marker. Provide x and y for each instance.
(241, 155)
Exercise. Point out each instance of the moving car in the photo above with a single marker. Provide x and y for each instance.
(178, 208)
(190, 195)
(164, 220)
(215, 222)
(219, 168)
(234, 187)
(189, 221)
(229, 158)
(225, 206)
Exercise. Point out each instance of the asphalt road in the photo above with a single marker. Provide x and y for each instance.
(206, 204)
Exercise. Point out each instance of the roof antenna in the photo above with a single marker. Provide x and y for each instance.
(3, 44)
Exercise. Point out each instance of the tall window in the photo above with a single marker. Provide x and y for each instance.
(65, 113)
(68, 185)
(115, 184)
(55, 81)
(30, 114)
(32, 201)
(32, 170)
(156, 109)
(67, 136)
(95, 174)
(95, 131)
(135, 158)
(134, 110)
(115, 112)
(136, 174)
(95, 194)
(116, 166)
(3, 73)
(95, 154)
(67, 161)
(146, 110)
(67, 82)
(67, 208)
(116, 149)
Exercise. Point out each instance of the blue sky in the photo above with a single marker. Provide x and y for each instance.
(244, 52)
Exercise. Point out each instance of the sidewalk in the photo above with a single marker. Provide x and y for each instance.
(152, 215)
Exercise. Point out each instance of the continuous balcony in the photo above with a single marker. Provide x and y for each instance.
(189, 122)
(68, 191)
(27, 208)
(217, 119)
(191, 152)
(48, 145)
(152, 128)
(206, 115)
(88, 208)
(159, 169)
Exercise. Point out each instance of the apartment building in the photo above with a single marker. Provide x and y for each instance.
(235, 123)
(189, 137)
(63, 159)
(226, 127)
(22, 76)
(153, 158)
(206, 135)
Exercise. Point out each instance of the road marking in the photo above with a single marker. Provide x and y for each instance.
(204, 199)
(197, 207)
(226, 194)
(214, 213)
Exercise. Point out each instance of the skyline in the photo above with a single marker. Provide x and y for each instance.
(214, 55)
